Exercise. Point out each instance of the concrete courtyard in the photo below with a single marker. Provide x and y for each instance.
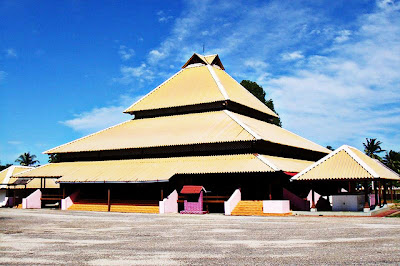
(93, 238)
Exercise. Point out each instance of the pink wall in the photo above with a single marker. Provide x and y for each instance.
(169, 204)
(33, 201)
(296, 202)
(194, 206)
(316, 197)
(276, 206)
(231, 203)
(69, 201)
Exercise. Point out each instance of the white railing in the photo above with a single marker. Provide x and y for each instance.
(231, 203)
(170, 203)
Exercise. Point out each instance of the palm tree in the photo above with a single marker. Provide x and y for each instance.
(392, 160)
(27, 159)
(372, 147)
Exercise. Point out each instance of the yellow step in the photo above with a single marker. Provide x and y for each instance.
(115, 208)
(252, 208)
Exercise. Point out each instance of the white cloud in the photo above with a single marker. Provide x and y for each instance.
(350, 93)
(155, 55)
(343, 36)
(101, 118)
(163, 16)
(129, 74)
(125, 53)
(14, 142)
(292, 56)
(3, 75)
(10, 52)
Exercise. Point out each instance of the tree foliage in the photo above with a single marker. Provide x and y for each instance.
(259, 92)
(27, 159)
(330, 148)
(2, 167)
(54, 158)
(392, 160)
(372, 147)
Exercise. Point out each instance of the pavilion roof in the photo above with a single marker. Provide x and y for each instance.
(6, 174)
(161, 169)
(345, 163)
(202, 80)
(187, 129)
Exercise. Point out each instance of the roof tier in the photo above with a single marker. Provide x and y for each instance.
(201, 81)
(162, 169)
(187, 129)
(346, 163)
(6, 174)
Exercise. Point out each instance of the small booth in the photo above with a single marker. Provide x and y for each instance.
(193, 199)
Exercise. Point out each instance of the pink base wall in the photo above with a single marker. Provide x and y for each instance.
(276, 206)
(231, 203)
(169, 204)
(69, 201)
(33, 201)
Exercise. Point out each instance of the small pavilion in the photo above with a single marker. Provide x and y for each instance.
(349, 168)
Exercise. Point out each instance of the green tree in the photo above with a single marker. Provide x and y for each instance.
(27, 159)
(54, 158)
(392, 160)
(259, 92)
(330, 148)
(372, 147)
(2, 167)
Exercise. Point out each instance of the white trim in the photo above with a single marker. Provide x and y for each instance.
(323, 159)
(219, 84)
(243, 125)
(153, 90)
(267, 162)
(10, 173)
(361, 162)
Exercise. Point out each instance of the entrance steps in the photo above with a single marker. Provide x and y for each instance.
(131, 207)
(252, 208)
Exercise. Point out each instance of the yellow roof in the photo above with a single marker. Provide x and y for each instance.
(34, 183)
(288, 164)
(346, 163)
(208, 127)
(6, 174)
(189, 86)
(196, 84)
(159, 169)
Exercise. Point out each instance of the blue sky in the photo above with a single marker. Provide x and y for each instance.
(69, 68)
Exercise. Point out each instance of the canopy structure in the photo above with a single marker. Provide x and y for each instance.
(161, 169)
(6, 174)
(195, 128)
(346, 163)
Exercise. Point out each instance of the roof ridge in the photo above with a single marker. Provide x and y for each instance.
(267, 162)
(242, 124)
(323, 159)
(360, 161)
(219, 84)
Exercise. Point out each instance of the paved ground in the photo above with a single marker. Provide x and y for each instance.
(57, 237)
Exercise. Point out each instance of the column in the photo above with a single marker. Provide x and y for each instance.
(109, 199)
(376, 194)
(384, 193)
(366, 198)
